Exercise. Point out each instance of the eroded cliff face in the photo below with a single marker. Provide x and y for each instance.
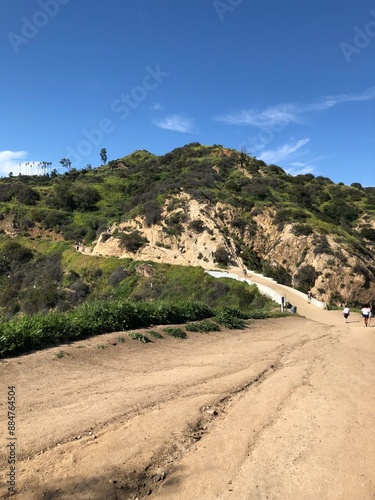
(341, 275)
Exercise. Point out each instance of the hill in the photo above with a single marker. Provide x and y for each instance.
(195, 206)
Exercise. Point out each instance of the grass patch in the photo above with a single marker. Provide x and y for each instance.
(155, 335)
(176, 332)
(141, 337)
(203, 326)
(121, 340)
(231, 318)
(61, 354)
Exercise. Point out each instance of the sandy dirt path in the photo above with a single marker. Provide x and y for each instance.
(284, 409)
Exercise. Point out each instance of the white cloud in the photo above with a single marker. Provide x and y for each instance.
(178, 123)
(10, 160)
(306, 169)
(330, 101)
(283, 114)
(276, 115)
(276, 155)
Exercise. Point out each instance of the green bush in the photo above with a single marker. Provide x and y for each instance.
(302, 230)
(305, 278)
(203, 326)
(141, 337)
(175, 332)
(132, 241)
(231, 318)
(38, 331)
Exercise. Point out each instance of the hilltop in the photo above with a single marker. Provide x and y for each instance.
(204, 206)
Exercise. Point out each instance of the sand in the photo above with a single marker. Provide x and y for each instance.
(284, 409)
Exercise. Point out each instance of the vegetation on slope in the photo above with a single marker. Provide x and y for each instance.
(37, 275)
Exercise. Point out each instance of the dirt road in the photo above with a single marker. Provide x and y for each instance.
(282, 410)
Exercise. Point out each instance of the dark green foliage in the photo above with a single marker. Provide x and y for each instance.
(152, 211)
(221, 256)
(132, 241)
(321, 246)
(38, 331)
(119, 274)
(141, 337)
(85, 198)
(203, 326)
(302, 230)
(305, 278)
(288, 215)
(61, 197)
(278, 273)
(103, 155)
(28, 196)
(231, 318)
(341, 212)
(368, 233)
(175, 332)
(155, 335)
(197, 226)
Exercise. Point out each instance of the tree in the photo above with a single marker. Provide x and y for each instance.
(66, 163)
(103, 155)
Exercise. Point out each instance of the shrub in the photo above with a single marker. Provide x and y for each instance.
(119, 274)
(155, 335)
(153, 212)
(221, 256)
(230, 318)
(197, 226)
(139, 336)
(28, 196)
(203, 326)
(302, 230)
(85, 198)
(175, 332)
(305, 278)
(368, 233)
(132, 241)
(322, 246)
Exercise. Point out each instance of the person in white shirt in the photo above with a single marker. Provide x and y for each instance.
(365, 311)
(346, 313)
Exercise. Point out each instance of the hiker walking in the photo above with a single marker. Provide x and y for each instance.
(309, 295)
(365, 311)
(346, 313)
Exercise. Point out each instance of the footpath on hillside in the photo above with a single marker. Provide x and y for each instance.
(282, 410)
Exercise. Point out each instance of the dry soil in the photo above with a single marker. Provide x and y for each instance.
(284, 409)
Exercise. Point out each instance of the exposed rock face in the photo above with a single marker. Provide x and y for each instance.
(340, 275)
(188, 247)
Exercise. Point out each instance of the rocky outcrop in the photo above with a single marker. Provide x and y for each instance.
(190, 232)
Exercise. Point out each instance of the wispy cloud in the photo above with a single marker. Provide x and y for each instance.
(276, 115)
(279, 154)
(283, 114)
(334, 100)
(10, 160)
(178, 123)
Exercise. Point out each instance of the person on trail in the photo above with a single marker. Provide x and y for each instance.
(365, 311)
(369, 317)
(346, 313)
(309, 295)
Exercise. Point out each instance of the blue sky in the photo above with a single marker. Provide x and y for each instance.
(292, 82)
